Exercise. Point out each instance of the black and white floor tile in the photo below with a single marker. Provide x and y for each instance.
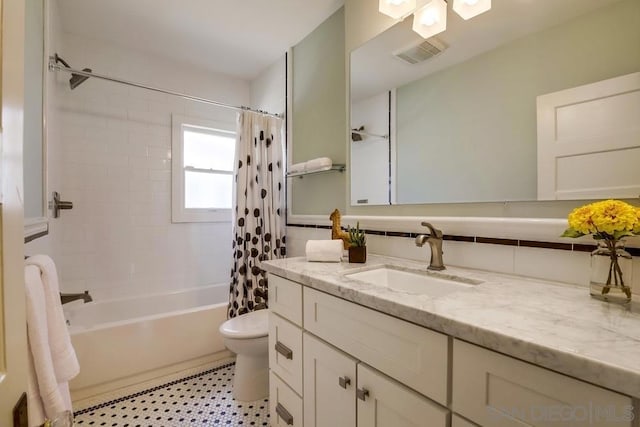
(201, 399)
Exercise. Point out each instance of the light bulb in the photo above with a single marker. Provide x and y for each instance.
(396, 8)
(431, 19)
(467, 9)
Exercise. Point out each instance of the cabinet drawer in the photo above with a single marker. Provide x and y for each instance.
(285, 298)
(415, 356)
(285, 407)
(285, 351)
(497, 390)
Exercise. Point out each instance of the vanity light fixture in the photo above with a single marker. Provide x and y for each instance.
(467, 9)
(430, 17)
(396, 8)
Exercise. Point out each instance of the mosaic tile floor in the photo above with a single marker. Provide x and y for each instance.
(202, 399)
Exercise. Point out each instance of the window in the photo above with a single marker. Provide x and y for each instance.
(203, 158)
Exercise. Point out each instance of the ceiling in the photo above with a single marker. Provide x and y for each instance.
(235, 37)
(506, 21)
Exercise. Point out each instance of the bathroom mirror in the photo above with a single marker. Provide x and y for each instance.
(34, 151)
(460, 124)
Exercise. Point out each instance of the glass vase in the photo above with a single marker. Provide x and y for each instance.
(611, 271)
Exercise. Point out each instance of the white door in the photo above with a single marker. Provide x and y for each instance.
(582, 128)
(13, 347)
(329, 385)
(383, 402)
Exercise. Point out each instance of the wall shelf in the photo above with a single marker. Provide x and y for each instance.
(337, 167)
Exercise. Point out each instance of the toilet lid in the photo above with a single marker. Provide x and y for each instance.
(250, 325)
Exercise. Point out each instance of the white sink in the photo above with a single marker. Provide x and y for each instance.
(411, 282)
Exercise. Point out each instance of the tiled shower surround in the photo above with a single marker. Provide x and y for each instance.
(112, 151)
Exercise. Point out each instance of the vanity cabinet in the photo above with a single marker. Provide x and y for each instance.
(335, 363)
(350, 366)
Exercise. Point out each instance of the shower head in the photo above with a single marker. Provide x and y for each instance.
(76, 79)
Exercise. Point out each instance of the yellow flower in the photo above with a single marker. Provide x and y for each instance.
(610, 216)
(636, 229)
(580, 219)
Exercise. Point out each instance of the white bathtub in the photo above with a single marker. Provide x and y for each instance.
(121, 342)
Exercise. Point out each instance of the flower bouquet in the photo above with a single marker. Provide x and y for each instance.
(609, 222)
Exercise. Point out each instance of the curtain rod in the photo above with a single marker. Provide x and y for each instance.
(53, 66)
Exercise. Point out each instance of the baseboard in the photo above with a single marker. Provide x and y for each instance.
(83, 397)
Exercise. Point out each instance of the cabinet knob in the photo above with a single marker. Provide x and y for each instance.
(362, 394)
(284, 350)
(344, 382)
(284, 414)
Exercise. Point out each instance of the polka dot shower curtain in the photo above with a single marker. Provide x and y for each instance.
(259, 209)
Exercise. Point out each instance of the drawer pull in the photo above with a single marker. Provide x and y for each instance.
(284, 350)
(284, 414)
(344, 381)
(362, 394)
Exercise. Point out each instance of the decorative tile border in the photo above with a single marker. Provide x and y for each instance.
(578, 247)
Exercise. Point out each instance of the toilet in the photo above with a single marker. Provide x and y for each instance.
(248, 337)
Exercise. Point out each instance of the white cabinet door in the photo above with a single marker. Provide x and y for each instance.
(383, 402)
(329, 385)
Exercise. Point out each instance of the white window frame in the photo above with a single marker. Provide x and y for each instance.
(179, 213)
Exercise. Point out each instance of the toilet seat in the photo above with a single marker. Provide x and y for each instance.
(250, 325)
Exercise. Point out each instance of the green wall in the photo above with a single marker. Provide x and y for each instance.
(319, 116)
(481, 113)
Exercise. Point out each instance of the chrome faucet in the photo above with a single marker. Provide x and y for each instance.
(434, 239)
(65, 298)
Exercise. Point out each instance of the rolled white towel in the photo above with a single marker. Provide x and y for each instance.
(321, 163)
(324, 250)
(298, 167)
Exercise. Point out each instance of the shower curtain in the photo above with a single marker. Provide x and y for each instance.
(259, 209)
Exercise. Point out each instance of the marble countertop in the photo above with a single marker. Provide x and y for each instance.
(557, 326)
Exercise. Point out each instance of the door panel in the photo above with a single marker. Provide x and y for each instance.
(329, 385)
(390, 404)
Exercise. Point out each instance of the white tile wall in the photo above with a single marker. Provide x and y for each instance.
(112, 152)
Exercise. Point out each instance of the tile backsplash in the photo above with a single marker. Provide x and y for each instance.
(560, 265)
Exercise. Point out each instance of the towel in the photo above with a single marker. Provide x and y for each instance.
(321, 163)
(54, 360)
(297, 167)
(65, 362)
(324, 250)
(47, 394)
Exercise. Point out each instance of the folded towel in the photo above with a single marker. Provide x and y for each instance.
(47, 395)
(63, 355)
(324, 250)
(321, 163)
(297, 167)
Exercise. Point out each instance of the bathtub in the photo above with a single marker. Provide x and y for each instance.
(125, 341)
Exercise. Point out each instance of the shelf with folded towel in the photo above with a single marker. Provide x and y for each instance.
(337, 167)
